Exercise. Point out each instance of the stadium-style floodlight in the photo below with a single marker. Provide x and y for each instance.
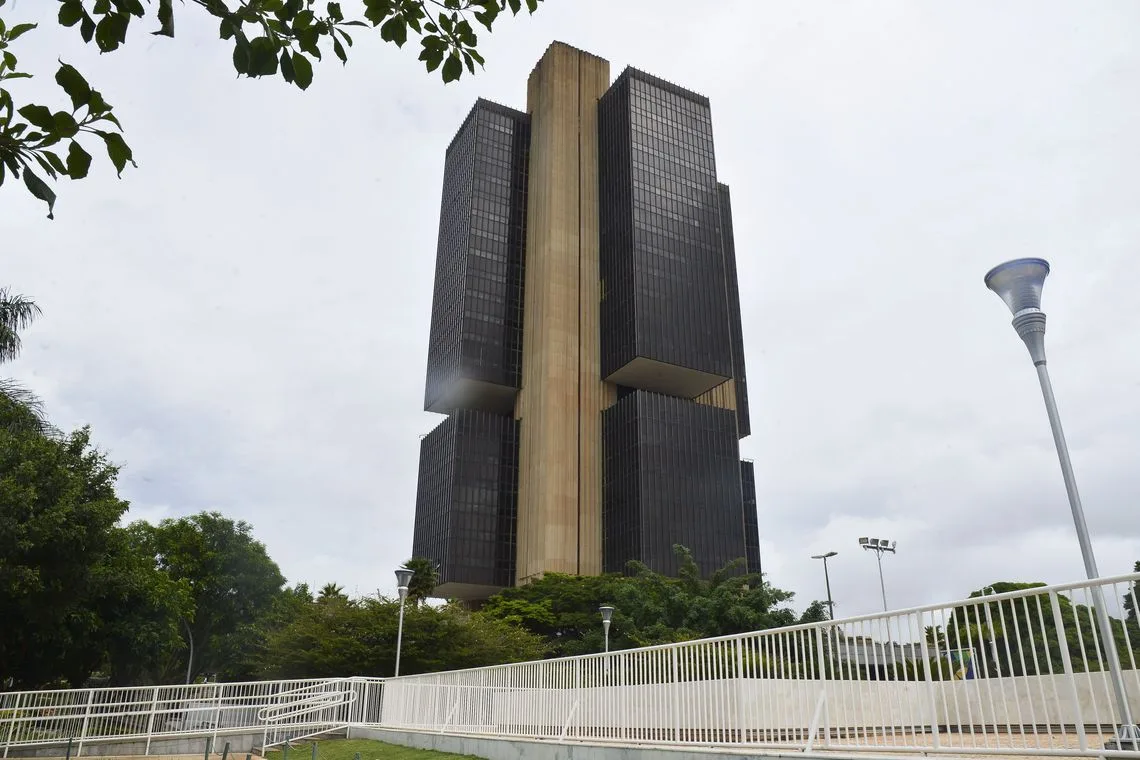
(827, 580)
(607, 617)
(879, 546)
(1018, 283)
(403, 579)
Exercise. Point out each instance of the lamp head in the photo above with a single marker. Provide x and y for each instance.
(1018, 283)
(404, 577)
(828, 555)
(607, 613)
(864, 541)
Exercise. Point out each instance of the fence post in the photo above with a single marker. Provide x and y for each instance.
(12, 725)
(150, 721)
(86, 721)
(217, 713)
(1066, 658)
(740, 727)
(935, 726)
(676, 700)
(821, 663)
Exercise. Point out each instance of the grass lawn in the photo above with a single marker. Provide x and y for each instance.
(368, 749)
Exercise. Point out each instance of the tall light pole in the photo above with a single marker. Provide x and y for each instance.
(827, 580)
(879, 546)
(607, 616)
(190, 638)
(1018, 283)
(403, 578)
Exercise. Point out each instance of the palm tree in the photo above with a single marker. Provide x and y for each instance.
(19, 407)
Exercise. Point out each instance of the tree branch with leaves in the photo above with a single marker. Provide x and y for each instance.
(269, 38)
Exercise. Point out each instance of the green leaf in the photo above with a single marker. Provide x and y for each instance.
(241, 55)
(70, 12)
(452, 68)
(469, 61)
(39, 116)
(262, 57)
(516, 6)
(78, 161)
(117, 150)
(377, 10)
(55, 165)
(87, 28)
(111, 32)
(339, 50)
(19, 29)
(39, 189)
(226, 29)
(287, 66)
(65, 125)
(488, 16)
(532, 5)
(335, 13)
(165, 18)
(302, 71)
(395, 30)
(74, 85)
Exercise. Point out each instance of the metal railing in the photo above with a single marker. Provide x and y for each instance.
(277, 711)
(1021, 673)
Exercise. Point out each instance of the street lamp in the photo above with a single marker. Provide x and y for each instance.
(607, 616)
(1018, 283)
(879, 546)
(827, 580)
(403, 578)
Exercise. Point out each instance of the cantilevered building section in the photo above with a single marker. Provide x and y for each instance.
(586, 339)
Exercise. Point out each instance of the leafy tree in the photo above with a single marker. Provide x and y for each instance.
(1015, 637)
(24, 410)
(425, 578)
(233, 586)
(60, 558)
(359, 637)
(330, 593)
(269, 38)
(650, 608)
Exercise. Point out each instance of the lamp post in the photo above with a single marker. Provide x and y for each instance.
(827, 580)
(190, 638)
(403, 578)
(1018, 283)
(879, 546)
(607, 616)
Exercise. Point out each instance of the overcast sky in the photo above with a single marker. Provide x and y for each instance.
(244, 319)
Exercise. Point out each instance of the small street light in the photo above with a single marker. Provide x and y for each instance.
(879, 546)
(607, 617)
(827, 580)
(1018, 283)
(403, 578)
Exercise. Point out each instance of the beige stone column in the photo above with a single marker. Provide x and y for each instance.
(562, 395)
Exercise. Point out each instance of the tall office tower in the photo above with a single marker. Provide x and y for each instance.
(586, 339)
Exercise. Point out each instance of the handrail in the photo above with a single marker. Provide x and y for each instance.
(311, 704)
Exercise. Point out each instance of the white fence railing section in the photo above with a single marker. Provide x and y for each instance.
(272, 711)
(1021, 673)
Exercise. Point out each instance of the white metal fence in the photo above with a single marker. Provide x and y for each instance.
(1022, 673)
(277, 711)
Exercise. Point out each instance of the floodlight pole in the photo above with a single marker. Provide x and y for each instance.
(878, 546)
(1018, 283)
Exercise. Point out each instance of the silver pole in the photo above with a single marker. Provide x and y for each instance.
(400, 633)
(1086, 545)
(827, 580)
(606, 628)
(882, 586)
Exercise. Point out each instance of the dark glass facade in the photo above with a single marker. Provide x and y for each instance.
(466, 502)
(475, 343)
(671, 476)
(736, 329)
(663, 270)
(751, 518)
